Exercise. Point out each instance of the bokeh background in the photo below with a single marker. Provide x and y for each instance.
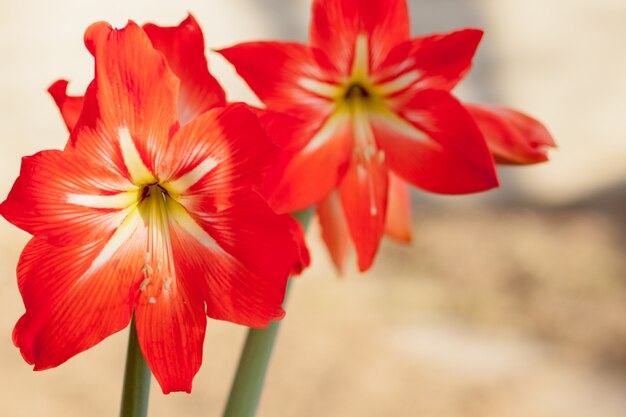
(511, 303)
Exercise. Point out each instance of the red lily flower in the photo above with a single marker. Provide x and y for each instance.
(372, 102)
(376, 113)
(139, 215)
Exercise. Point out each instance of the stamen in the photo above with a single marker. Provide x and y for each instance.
(373, 207)
(144, 284)
(158, 268)
(368, 153)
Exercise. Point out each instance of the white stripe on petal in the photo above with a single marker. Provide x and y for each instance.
(185, 221)
(139, 173)
(121, 235)
(398, 84)
(394, 122)
(114, 201)
(320, 88)
(325, 133)
(186, 181)
(361, 60)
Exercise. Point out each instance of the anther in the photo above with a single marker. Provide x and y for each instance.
(152, 300)
(144, 284)
(147, 269)
(167, 284)
(368, 153)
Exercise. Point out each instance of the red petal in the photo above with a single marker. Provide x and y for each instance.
(297, 235)
(240, 258)
(303, 177)
(215, 156)
(183, 47)
(513, 137)
(170, 329)
(363, 194)
(69, 106)
(336, 24)
(75, 296)
(65, 197)
(133, 91)
(334, 229)
(398, 223)
(284, 130)
(435, 145)
(275, 71)
(436, 61)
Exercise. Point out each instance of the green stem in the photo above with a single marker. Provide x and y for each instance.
(247, 387)
(136, 379)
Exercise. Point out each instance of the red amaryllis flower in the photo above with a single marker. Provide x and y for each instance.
(183, 48)
(372, 102)
(139, 215)
(376, 112)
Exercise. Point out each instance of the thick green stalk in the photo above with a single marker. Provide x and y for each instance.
(137, 377)
(247, 387)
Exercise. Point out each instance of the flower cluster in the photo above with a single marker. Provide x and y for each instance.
(163, 204)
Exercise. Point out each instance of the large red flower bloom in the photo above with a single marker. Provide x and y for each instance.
(139, 215)
(375, 110)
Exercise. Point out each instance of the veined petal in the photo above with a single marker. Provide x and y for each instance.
(216, 155)
(171, 330)
(134, 95)
(398, 222)
(303, 177)
(183, 47)
(74, 297)
(436, 61)
(69, 106)
(114, 201)
(335, 231)
(513, 137)
(241, 280)
(337, 23)
(183, 183)
(284, 75)
(137, 169)
(453, 159)
(64, 198)
(284, 130)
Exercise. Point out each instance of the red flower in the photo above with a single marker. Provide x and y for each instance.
(183, 48)
(375, 110)
(138, 214)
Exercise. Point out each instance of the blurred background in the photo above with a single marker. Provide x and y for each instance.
(511, 303)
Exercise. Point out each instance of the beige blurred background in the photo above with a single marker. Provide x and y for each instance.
(507, 304)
